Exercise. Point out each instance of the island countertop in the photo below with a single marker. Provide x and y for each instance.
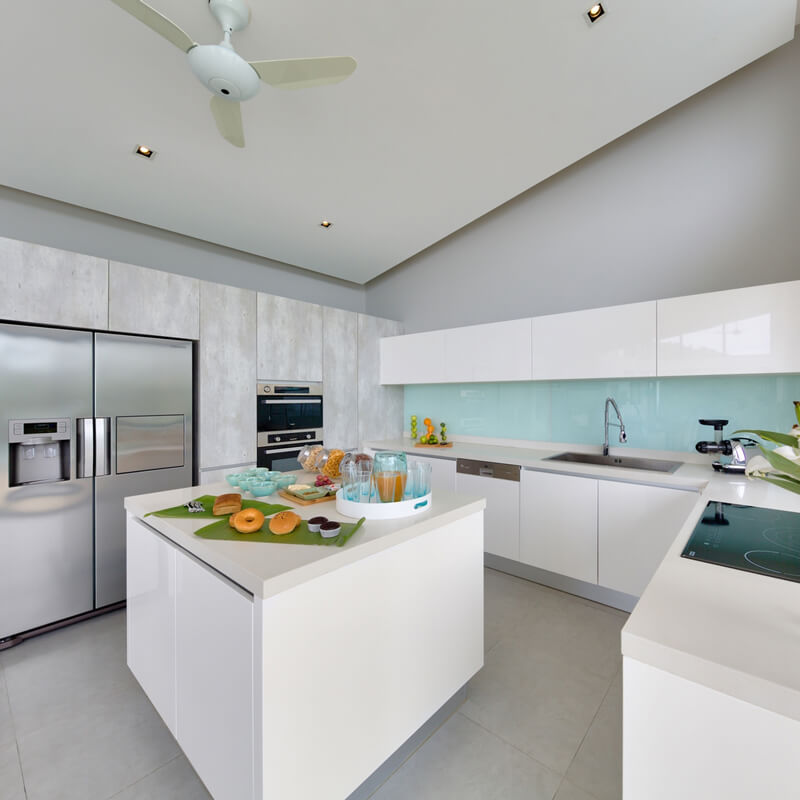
(266, 569)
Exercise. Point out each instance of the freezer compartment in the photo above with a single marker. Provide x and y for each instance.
(150, 442)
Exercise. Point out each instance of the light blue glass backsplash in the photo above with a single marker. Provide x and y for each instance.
(659, 413)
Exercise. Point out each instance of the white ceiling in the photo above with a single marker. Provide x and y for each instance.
(456, 107)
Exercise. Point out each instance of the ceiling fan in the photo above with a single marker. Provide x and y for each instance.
(225, 73)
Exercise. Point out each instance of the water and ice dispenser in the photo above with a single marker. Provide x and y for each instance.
(38, 451)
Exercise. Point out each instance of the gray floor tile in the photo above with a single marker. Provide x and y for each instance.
(7, 731)
(569, 791)
(11, 787)
(94, 755)
(597, 766)
(174, 781)
(462, 761)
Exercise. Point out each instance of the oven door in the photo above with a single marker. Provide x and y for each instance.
(289, 413)
(282, 459)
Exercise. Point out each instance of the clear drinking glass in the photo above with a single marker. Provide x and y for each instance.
(389, 472)
(422, 479)
(350, 487)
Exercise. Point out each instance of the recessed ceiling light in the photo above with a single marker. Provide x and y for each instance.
(595, 12)
(144, 151)
(326, 223)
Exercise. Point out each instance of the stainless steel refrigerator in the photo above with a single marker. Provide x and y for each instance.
(90, 418)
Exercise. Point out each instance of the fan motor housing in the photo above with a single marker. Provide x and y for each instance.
(221, 70)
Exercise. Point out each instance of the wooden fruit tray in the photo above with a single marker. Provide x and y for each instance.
(446, 444)
(299, 500)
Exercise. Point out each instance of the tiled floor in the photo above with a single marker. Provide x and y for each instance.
(542, 720)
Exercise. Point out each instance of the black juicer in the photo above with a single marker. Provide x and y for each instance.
(734, 448)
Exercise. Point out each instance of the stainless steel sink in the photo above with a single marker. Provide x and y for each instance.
(626, 462)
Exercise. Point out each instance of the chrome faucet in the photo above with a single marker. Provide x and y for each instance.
(623, 437)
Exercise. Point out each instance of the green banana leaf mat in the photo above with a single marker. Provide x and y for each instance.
(207, 501)
(300, 535)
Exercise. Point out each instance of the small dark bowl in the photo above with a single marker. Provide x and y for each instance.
(329, 529)
(315, 522)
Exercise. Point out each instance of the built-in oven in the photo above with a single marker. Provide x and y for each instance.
(289, 417)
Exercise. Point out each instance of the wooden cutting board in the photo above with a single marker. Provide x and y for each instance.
(419, 444)
(299, 500)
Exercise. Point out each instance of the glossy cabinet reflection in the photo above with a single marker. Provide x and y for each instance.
(750, 330)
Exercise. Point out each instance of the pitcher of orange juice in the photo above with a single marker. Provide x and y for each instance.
(389, 471)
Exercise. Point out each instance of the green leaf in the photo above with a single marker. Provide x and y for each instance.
(772, 436)
(788, 484)
(780, 463)
(797, 410)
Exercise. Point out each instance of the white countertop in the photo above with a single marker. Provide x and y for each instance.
(266, 569)
(733, 631)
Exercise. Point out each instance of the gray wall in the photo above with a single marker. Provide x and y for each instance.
(36, 219)
(704, 197)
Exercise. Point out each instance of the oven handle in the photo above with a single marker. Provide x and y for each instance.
(298, 401)
(296, 449)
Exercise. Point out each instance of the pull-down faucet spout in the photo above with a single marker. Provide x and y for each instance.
(623, 437)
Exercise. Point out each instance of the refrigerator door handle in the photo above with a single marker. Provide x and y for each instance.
(84, 438)
(102, 451)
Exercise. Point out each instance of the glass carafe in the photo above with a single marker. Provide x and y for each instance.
(389, 472)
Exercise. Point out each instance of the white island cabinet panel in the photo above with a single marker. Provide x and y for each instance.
(615, 342)
(227, 376)
(152, 302)
(214, 678)
(496, 351)
(636, 526)
(150, 627)
(558, 524)
(751, 330)
(48, 286)
(413, 358)
(289, 339)
(340, 377)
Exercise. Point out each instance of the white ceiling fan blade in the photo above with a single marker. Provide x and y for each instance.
(228, 116)
(157, 22)
(303, 73)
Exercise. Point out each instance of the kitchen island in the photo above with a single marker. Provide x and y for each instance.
(290, 672)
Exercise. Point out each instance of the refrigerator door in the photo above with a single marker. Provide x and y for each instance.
(143, 435)
(45, 526)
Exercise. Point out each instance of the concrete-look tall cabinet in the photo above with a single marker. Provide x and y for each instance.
(340, 377)
(227, 374)
(45, 286)
(380, 408)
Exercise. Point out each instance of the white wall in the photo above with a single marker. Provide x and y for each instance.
(704, 197)
(37, 219)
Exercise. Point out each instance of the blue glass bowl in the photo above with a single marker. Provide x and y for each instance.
(284, 480)
(262, 488)
(234, 478)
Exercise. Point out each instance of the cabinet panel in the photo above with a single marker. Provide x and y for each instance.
(413, 358)
(380, 408)
(443, 472)
(52, 287)
(152, 302)
(498, 351)
(614, 342)
(558, 524)
(151, 617)
(501, 516)
(227, 375)
(214, 667)
(289, 339)
(636, 526)
(340, 377)
(752, 330)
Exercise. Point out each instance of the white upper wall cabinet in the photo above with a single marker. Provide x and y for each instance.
(497, 351)
(45, 286)
(414, 358)
(615, 342)
(751, 330)
(152, 302)
(289, 339)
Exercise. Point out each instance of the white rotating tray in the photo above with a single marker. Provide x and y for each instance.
(404, 508)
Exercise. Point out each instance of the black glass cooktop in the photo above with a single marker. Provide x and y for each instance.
(760, 540)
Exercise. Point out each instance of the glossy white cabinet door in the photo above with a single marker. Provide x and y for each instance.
(412, 358)
(443, 472)
(214, 667)
(501, 517)
(558, 524)
(615, 342)
(151, 617)
(636, 526)
(497, 351)
(751, 330)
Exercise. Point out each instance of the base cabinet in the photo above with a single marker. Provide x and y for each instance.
(558, 524)
(443, 472)
(636, 526)
(501, 516)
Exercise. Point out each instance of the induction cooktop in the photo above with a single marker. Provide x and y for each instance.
(760, 540)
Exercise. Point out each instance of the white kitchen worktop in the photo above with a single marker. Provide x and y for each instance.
(266, 569)
(733, 631)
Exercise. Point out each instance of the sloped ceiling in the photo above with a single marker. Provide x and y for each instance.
(455, 108)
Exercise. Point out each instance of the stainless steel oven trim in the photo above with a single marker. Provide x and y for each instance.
(296, 448)
(302, 399)
(316, 435)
